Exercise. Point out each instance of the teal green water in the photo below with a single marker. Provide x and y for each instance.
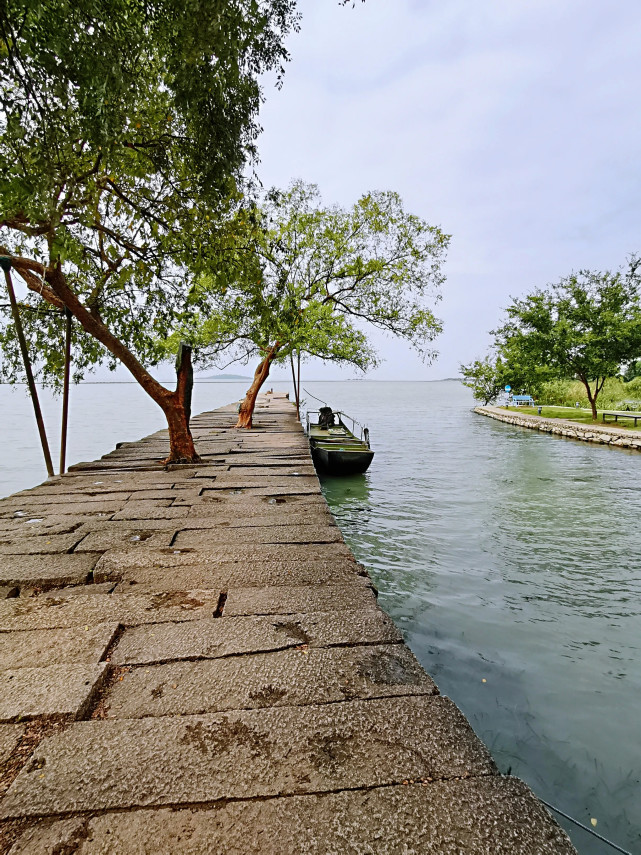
(511, 560)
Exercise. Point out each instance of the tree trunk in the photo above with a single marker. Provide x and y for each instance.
(173, 404)
(177, 410)
(246, 411)
(591, 397)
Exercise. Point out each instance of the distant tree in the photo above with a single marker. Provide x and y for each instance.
(485, 377)
(314, 276)
(125, 127)
(584, 326)
(489, 376)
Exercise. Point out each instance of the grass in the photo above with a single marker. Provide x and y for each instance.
(572, 414)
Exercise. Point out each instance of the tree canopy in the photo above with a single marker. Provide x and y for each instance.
(585, 326)
(315, 277)
(124, 131)
(94, 58)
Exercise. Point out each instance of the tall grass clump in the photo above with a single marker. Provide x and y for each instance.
(615, 395)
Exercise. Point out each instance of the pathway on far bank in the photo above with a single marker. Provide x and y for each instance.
(192, 661)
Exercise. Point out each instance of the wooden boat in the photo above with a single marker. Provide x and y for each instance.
(336, 450)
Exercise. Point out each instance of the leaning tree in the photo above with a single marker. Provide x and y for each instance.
(124, 128)
(314, 278)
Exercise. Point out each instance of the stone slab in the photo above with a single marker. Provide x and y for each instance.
(483, 816)
(289, 599)
(101, 765)
(62, 609)
(245, 490)
(216, 638)
(230, 537)
(239, 470)
(46, 524)
(82, 645)
(199, 521)
(204, 515)
(233, 479)
(253, 558)
(59, 690)
(248, 505)
(128, 538)
(267, 462)
(295, 677)
(45, 544)
(149, 511)
(10, 735)
(120, 527)
(221, 575)
(79, 499)
(46, 570)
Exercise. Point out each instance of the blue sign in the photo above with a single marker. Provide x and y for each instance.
(508, 388)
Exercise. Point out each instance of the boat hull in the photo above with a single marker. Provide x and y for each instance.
(337, 461)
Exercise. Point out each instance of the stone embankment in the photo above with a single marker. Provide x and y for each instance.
(603, 434)
(192, 661)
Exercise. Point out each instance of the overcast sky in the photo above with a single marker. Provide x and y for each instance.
(512, 124)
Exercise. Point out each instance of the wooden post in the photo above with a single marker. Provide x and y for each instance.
(291, 359)
(65, 392)
(5, 263)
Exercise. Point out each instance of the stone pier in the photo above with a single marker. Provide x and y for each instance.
(192, 661)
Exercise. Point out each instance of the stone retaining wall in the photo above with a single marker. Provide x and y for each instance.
(605, 435)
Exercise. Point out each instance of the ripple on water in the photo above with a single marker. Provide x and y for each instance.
(511, 557)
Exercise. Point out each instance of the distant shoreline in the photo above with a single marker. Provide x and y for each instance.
(242, 380)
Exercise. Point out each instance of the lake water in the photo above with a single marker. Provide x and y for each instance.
(511, 560)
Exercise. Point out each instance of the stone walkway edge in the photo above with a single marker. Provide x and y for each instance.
(192, 661)
(609, 434)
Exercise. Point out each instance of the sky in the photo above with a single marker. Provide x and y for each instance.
(511, 124)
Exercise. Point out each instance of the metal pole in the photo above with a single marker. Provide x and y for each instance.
(65, 392)
(291, 359)
(298, 388)
(5, 263)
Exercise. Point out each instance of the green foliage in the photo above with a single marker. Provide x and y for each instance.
(489, 376)
(485, 377)
(93, 58)
(310, 277)
(585, 326)
(124, 130)
(632, 370)
(615, 395)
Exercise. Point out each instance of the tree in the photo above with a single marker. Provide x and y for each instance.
(584, 326)
(125, 128)
(315, 275)
(485, 377)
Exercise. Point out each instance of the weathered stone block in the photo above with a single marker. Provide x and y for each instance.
(295, 677)
(227, 636)
(481, 816)
(100, 765)
(46, 570)
(37, 648)
(59, 690)
(289, 599)
(62, 609)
